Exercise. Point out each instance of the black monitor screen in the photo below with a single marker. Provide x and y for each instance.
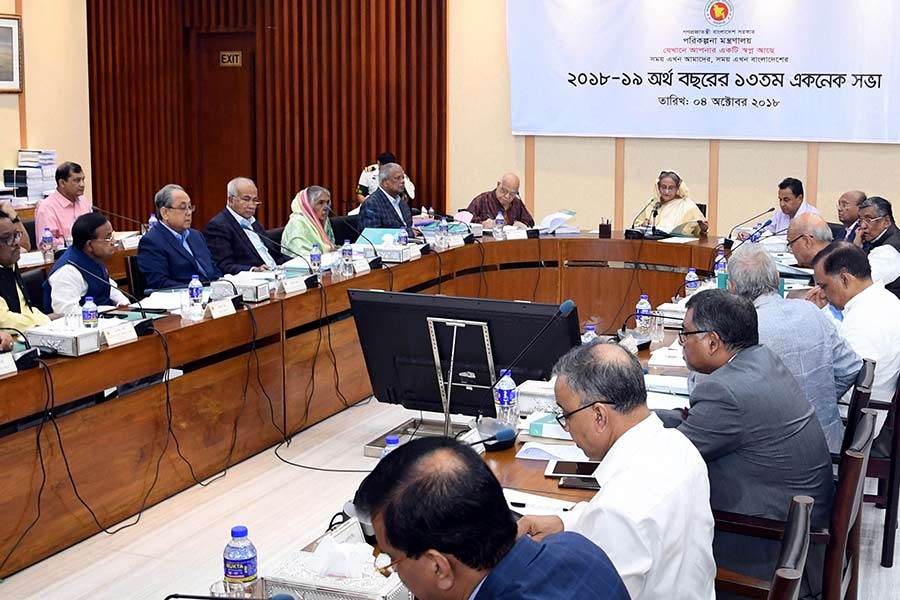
(394, 335)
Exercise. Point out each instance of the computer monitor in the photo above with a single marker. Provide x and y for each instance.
(396, 340)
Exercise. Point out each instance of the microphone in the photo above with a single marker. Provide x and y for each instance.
(564, 310)
(729, 242)
(142, 327)
(27, 358)
(469, 237)
(376, 262)
(681, 287)
(506, 434)
(110, 213)
(752, 233)
(313, 279)
(635, 234)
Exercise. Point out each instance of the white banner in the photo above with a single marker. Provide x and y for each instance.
(811, 70)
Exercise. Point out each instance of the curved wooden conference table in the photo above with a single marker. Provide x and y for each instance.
(113, 447)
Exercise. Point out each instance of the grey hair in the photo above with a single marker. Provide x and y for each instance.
(163, 198)
(386, 170)
(597, 377)
(314, 192)
(752, 271)
(232, 188)
(882, 207)
(818, 230)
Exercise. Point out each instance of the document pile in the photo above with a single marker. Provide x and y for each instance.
(553, 223)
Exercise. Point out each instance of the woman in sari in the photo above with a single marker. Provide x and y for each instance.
(676, 212)
(309, 222)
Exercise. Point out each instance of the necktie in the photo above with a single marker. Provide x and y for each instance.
(184, 242)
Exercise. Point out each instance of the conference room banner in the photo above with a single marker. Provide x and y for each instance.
(810, 70)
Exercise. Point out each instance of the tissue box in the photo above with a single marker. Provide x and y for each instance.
(309, 591)
(66, 342)
(394, 253)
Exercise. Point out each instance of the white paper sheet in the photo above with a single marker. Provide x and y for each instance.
(539, 451)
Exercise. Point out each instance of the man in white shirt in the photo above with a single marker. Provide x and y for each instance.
(881, 241)
(652, 515)
(792, 205)
(81, 271)
(871, 316)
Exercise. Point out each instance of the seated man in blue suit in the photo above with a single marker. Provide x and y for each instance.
(172, 252)
(236, 240)
(384, 208)
(440, 515)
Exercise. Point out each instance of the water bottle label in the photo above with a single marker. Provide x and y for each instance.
(195, 292)
(240, 570)
(89, 314)
(506, 397)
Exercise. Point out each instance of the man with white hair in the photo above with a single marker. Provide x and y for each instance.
(385, 208)
(236, 240)
(821, 361)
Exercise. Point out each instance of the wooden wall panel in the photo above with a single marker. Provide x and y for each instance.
(337, 82)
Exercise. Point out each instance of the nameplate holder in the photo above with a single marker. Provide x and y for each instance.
(361, 265)
(7, 364)
(456, 241)
(290, 285)
(219, 309)
(517, 234)
(120, 334)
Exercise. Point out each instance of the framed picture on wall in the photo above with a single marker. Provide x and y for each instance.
(11, 61)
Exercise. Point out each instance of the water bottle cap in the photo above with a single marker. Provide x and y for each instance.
(346, 241)
(392, 440)
(721, 253)
(692, 270)
(197, 277)
(645, 297)
(590, 328)
(505, 373)
(315, 245)
(239, 531)
(88, 298)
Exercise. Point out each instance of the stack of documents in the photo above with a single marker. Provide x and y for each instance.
(667, 356)
(553, 223)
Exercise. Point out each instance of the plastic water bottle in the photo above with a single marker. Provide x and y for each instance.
(240, 563)
(89, 313)
(315, 259)
(195, 293)
(721, 270)
(430, 212)
(443, 233)
(47, 245)
(499, 222)
(391, 443)
(151, 222)
(757, 233)
(691, 282)
(346, 259)
(506, 396)
(589, 335)
(403, 237)
(642, 314)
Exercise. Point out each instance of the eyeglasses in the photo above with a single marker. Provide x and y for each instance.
(668, 188)
(563, 417)
(188, 208)
(791, 242)
(386, 569)
(505, 192)
(870, 220)
(110, 239)
(13, 240)
(248, 199)
(683, 334)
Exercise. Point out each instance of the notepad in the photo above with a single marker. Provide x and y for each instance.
(539, 451)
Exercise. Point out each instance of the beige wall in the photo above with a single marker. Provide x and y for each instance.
(579, 173)
(56, 83)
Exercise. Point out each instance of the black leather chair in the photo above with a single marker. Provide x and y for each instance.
(33, 280)
(275, 234)
(345, 228)
(837, 230)
(136, 282)
(29, 228)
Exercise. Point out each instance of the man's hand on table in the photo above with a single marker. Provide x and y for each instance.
(539, 527)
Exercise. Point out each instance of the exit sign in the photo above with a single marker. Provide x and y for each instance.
(230, 58)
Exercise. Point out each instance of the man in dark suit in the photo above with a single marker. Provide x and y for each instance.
(881, 241)
(848, 215)
(236, 239)
(754, 427)
(172, 252)
(384, 208)
(439, 513)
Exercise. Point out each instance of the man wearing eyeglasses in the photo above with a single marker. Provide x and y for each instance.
(881, 241)
(848, 215)
(760, 437)
(93, 243)
(652, 514)
(440, 516)
(17, 310)
(171, 253)
(236, 238)
(504, 198)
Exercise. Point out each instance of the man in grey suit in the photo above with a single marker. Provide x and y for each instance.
(760, 438)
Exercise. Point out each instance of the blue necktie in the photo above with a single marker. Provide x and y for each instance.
(184, 237)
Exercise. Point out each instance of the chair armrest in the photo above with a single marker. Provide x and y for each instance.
(736, 583)
(761, 527)
(881, 405)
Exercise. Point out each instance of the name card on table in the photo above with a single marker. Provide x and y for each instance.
(456, 241)
(219, 308)
(361, 265)
(7, 364)
(516, 234)
(289, 285)
(119, 334)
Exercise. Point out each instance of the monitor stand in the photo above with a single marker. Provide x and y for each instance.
(418, 428)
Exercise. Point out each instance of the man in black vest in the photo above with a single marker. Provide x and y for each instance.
(881, 241)
(93, 243)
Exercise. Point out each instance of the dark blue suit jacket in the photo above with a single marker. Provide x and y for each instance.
(378, 212)
(563, 566)
(165, 263)
(231, 248)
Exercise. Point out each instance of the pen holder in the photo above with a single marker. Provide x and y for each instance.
(605, 230)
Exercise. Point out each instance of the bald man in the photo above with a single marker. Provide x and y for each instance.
(504, 198)
(848, 215)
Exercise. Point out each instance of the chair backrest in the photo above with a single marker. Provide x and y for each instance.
(837, 230)
(702, 208)
(275, 234)
(136, 282)
(33, 281)
(786, 581)
(345, 228)
(845, 514)
(859, 401)
(29, 229)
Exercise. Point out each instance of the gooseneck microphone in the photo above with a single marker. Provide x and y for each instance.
(729, 241)
(142, 327)
(110, 213)
(27, 358)
(752, 233)
(376, 262)
(313, 279)
(503, 435)
(649, 202)
(636, 234)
